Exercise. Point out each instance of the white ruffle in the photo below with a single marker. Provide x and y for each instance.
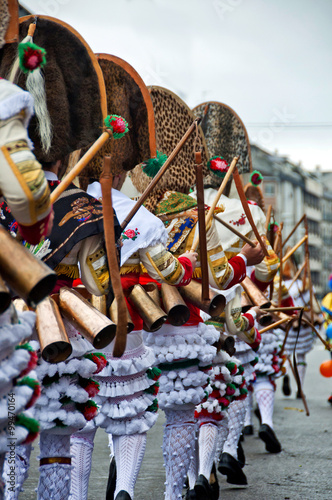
(12, 367)
(134, 361)
(12, 335)
(119, 387)
(73, 419)
(172, 343)
(138, 425)
(83, 367)
(21, 396)
(181, 380)
(122, 409)
(65, 387)
(174, 399)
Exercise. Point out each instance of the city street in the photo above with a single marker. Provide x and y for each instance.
(302, 471)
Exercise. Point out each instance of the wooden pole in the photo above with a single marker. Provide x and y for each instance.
(283, 309)
(308, 270)
(240, 190)
(215, 201)
(108, 214)
(280, 266)
(294, 229)
(299, 387)
(268, 218)
(274, 325)
(201, 226)
(96, 146)
(299, 271)
(161, 172)
(293, 250)
(235, 231)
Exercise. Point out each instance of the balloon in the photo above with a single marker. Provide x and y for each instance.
(329, 331)
(326, 368)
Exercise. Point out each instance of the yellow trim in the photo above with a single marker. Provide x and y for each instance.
(70, 270)
(22, 183)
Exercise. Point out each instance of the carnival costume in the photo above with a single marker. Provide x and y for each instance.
(226, 137)
(183, 353)
(63, 125)
(23, 185)
(128, 385)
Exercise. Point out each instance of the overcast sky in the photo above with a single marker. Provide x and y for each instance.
(270, 60)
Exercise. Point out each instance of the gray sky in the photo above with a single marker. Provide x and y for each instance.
(270, 60)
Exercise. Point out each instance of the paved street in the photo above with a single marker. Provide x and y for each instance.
(302, 471)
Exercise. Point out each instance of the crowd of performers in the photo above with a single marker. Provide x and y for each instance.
(203, 364)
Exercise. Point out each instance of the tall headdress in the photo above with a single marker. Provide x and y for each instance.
(226, 137)
(129, 106)
(70, 99)
(172, 119)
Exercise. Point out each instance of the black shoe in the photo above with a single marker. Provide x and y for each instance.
(270, 439)
(202, 488)
(111, 484)
(123, 495)
(286, 388)
(240, 455)
(248, 430)
(232, 469)
(191, 495)
(258, 414)
(214, 484)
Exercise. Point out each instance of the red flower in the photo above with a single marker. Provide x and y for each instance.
(130, 233)
(224, 402)
(118, 125)
(219, 164)
(88, 409)
(91, 387)
(99, 359)
(32, 58)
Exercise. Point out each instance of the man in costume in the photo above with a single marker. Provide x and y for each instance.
(23, 185)
(226, 137)
(128, 385)
(183, 351)
(76, 239)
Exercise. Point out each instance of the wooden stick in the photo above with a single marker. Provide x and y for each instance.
(240, 190)
(161, 172)
(294, 229)
(293, 250)
(215, 201)
(268, 218)
(309, 271)
(108, 214)
(280, 266)
(299, 271)
(275, 309)
(201, 227)
(235, 231)
(91, 152)
(298, 383)
(274, 325)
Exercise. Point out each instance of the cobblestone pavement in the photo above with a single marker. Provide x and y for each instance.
(302, 471)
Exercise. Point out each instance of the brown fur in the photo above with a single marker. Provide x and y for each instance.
(124, 98)
(72, 87)
(225, 136)
(173, 117)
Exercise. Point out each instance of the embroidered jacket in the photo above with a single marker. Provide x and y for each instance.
(22, 181)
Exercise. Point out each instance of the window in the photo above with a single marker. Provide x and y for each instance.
(269, 189)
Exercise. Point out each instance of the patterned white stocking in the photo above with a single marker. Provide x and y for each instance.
(248, 417)
(22, 464)
(178, 450)
(193, 467)
(264, 393)
(129, 452)
(81, 447)
(236, 415)
(54, 479)
(207, 445)
(222, 436)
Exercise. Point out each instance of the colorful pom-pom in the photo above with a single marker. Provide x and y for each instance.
(152, 166)
(31, 57)
(117, 124)
(99, 359)
(88, 409)
(218, 165)
(256, 178)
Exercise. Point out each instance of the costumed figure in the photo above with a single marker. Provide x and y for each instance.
(63, 125)
(183, 353)
(23, 185)
(327, 312)
(128, 385)
(226, 137)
